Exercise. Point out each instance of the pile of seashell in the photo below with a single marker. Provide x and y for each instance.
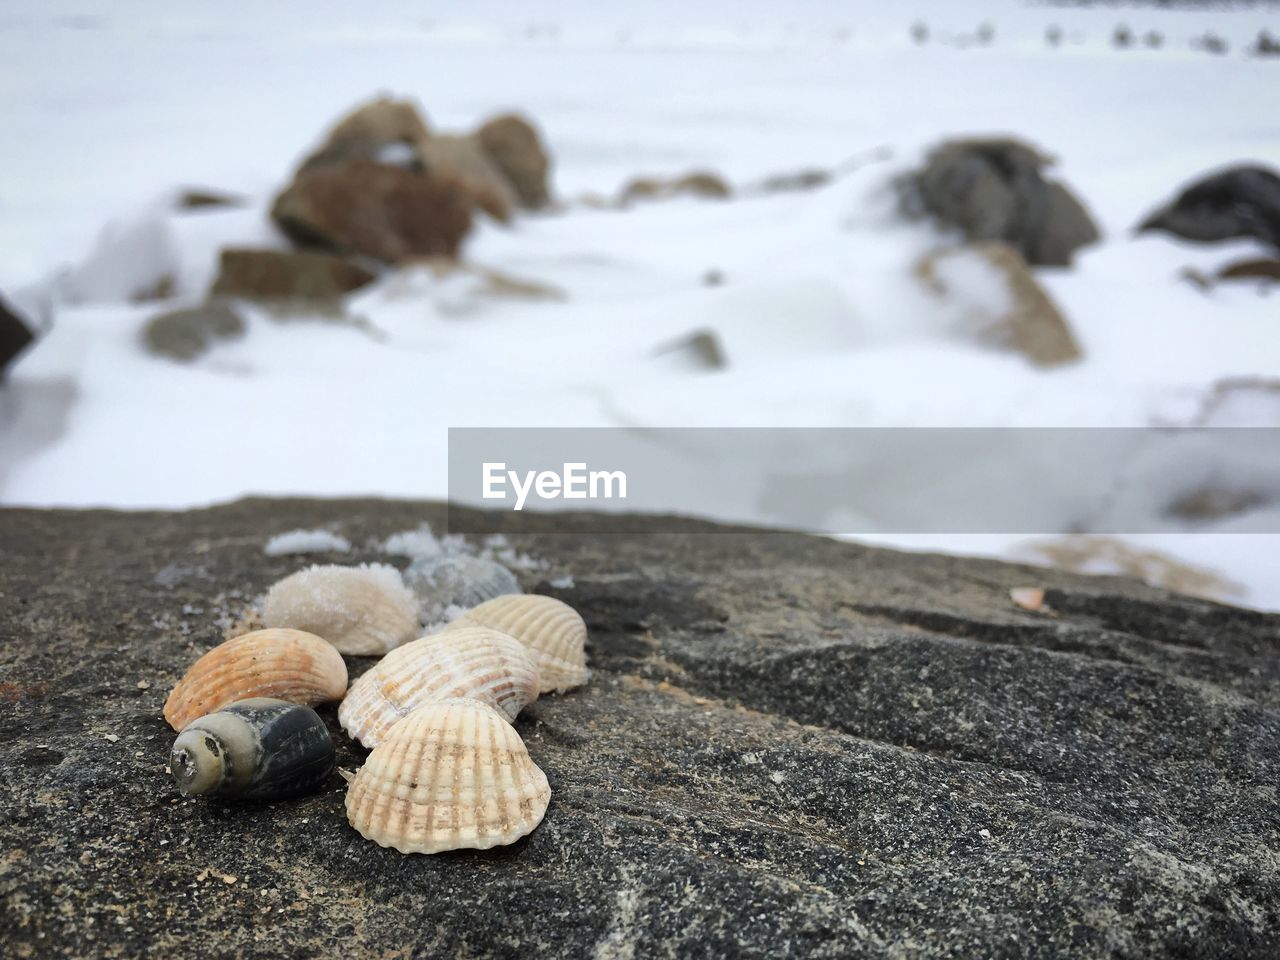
(447, 770)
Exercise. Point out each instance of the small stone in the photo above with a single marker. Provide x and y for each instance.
(110, 737)
(144, 685)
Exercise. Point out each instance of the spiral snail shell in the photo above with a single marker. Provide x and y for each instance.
(256, 749)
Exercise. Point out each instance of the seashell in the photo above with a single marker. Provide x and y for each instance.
(552, 630)
(284, 664)
(474, 662)
(456, 581)
(360, 610)
(452, 774)
(1028, 598)
(258, 749)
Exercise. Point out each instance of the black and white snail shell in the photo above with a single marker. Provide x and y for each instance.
(257, 749)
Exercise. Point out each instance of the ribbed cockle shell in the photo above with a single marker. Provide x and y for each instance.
(452, 774)
(284, 664)
(360, 610)
(552, 630)
(475, 662)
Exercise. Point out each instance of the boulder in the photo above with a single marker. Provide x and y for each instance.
(389, 213)
(1238, 202)
(517, 150)
(186, 334)
(1024, 319)
(282, 275)
(996, 190)
(789, 747)
(15, 335)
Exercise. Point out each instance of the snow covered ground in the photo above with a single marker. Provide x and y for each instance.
(111, 109)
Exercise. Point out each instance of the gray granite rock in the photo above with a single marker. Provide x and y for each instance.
(789, 747)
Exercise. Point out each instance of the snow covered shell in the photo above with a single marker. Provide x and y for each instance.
(361, 610)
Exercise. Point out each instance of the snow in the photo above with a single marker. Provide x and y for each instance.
(306, 541)
(113, 111)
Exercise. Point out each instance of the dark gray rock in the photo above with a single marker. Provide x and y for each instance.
(1241, 201)
(789, 747)
(995, 190)
(15, 335)
(188, 333)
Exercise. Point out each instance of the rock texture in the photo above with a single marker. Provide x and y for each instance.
(789, 747)
(996, 190)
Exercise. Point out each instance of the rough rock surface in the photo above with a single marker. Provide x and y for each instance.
(789, 747)
(996, 190)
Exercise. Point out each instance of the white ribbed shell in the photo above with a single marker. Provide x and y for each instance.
(477, 662)
(361, 610)
(282, 664)
(452, 774)
(552, 630)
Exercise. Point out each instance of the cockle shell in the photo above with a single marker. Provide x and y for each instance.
(257, 749)
(360, 610)
(456, 581)
(285, 664)
(452, 774)
(552, 630)
(475, 662)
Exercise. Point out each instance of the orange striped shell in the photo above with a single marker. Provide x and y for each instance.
(282, 664)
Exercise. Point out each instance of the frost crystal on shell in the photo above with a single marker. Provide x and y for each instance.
(457, 581)
(360, 610)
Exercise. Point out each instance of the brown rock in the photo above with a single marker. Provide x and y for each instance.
(467, 159)
(382, 120)
(1265, 269)
(1032, 324)
(198, 198)
(516, 149)
(700, 183)
(386, 212)
(275, 275)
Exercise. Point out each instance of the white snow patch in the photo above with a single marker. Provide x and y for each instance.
(306, 541)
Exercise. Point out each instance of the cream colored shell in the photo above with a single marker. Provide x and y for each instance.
(361, 610)
(474, 662)
(552, 630)
(282, 664)
(452, 774)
